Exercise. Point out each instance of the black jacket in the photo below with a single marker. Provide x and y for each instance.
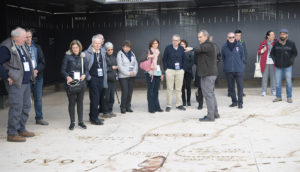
(189, 62)
(284, 55)
(206, 59)
(111, 61)
(41, 64)
(72, 63)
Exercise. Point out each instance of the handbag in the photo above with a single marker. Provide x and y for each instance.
(76, 86)
(146, 65)
(257, 72)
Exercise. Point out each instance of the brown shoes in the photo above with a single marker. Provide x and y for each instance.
(15, 138)
(26, 134)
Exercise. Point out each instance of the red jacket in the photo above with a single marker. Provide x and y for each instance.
(263, 57)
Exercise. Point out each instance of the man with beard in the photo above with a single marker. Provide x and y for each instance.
(283, 54)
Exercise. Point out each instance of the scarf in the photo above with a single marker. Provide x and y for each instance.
(128, 55)
(154, 60)
(231, 45)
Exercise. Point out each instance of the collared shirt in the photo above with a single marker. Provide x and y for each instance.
(33, 53)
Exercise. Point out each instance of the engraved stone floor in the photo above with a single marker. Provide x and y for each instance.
(263, 136)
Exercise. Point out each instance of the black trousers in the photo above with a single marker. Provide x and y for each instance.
(73, 100)
(127, 90)
(187, 82)
(235, 77)
(199, 98)
(96, 90)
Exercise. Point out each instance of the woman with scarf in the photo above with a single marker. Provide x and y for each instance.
(234, 63)
(154, 76)
(128, 69)
(266, 63)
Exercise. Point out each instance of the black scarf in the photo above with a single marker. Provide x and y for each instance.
(231, 45)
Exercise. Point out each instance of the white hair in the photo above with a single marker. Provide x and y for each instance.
(176, 35)
(96, 37)
(17, 32)
(204, 32)
(108, 45)
(229, 33)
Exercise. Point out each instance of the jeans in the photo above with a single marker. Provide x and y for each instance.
(238, 78)
(73, 100)
(187, 82)
(287, 72)
(152, 92)
(37, 91)
(127, 90)
(110, 96)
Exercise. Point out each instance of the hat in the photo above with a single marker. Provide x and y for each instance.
(284, 31)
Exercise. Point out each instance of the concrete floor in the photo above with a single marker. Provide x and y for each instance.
(263, 136)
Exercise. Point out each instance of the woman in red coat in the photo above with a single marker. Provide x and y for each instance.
(266, 63)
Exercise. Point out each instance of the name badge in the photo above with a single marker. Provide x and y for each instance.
(158, 68)
(33, 64)
(177, 66)
(131, 68)
(77, 75)
(26, 67)
(100, 72)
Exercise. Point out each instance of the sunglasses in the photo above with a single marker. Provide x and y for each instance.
(232, 37)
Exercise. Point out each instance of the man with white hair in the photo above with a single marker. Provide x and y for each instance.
(173, 61)
(17, 71)
(97, 76)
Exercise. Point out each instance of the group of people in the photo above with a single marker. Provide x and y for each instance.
(22, 63)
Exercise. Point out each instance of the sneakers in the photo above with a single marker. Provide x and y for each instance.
(289, 100)
(263, 94)
(277, 99)
(41, 122)
(27, 134)
(82, 125)
(15, 138)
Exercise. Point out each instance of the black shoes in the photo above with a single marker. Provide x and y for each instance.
(106, 115)
(82, 125)
(42, 122)
(233, 105)
(180, 108)
(129, 110)
(97, 122)
(240, 106)
(168, 109)
(72, 125)
(217, 116)
(189, 103)
(151, 111)
(123, 110)
(183, 103)
(200, 107)
(206, 119)
(159, 110)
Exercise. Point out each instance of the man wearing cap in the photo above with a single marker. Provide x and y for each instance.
(283, 54)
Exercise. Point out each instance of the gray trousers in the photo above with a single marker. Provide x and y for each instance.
(208, 88)
(19, 108)
(269, 71)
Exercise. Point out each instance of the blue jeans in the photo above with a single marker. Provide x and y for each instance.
(287, 72)
(37, 91)
(152, 93)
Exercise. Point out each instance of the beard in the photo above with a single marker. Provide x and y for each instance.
(282, 38)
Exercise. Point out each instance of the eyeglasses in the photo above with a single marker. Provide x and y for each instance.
(231, 37)
(109, 50)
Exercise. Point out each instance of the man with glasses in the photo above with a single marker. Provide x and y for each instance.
(234, 63)
(283, 54)
(173, 61)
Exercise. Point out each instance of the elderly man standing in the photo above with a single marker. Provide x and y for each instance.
(97, 77)
(207, 69)
(173, 61)
(283, 54)
(17, 71)
(38, 63)
(234, 63)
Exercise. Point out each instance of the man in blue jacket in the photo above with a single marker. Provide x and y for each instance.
(234, 62)
(173, 61)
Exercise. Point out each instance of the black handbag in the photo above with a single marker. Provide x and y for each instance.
(76, 86)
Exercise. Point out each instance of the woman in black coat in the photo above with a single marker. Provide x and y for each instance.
(74, 67)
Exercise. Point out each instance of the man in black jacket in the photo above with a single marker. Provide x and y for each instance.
(38, 63)
(283, 54)
(208, 71)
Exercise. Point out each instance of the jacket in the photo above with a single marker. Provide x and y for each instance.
(72, 63)
(111, 61)
(242, 42)
(264, 56)
(206, 59)
(172, 56)
(89, 54)
(234, 61)
(284, 55)
(189, 62)
(13, 67)
(41, 64)
(144, 57)
(124, 65)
